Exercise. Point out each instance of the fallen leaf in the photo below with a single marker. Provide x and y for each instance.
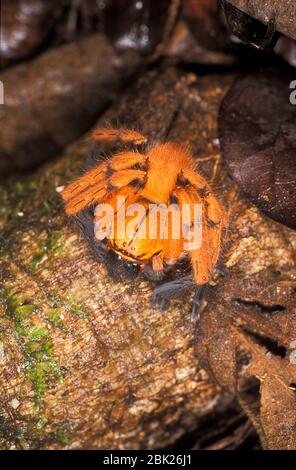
(257, 126)
(246, 333)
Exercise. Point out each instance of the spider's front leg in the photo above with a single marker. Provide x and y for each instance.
(107, 178)
(120, 135)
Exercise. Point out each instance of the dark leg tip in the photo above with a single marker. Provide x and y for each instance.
(197, 301)
(160, 301)
(152, 275)
(220, 269)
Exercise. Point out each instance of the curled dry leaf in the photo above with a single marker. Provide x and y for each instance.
(257, 126)
(246, 333)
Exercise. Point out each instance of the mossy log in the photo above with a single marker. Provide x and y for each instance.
(86, 361)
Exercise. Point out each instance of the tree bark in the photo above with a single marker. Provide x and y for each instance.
(85, 361)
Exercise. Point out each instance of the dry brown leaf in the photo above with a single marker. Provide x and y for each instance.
(246, 332)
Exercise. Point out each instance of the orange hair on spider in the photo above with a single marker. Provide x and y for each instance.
(163, 174)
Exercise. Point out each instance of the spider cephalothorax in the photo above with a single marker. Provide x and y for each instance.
(163, 175)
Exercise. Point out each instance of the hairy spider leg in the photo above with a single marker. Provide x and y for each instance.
(98, 183)
(110, 135)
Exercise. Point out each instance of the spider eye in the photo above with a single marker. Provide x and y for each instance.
(132, 269)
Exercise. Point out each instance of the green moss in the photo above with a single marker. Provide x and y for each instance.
(52, 245)
(35, 262)
(23, 311)
(19, 188)
(17, 304)
(41, 423)
(47, 206)
(29, 432)
(38, 333)
(54, 317)
(33, 185)
(40, 364)
(38, 373)
(3, 251)
(61, 437)
(12, 202)
(76, 307)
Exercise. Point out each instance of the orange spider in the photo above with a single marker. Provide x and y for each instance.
(162, 174)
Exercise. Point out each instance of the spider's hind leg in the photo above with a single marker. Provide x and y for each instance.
(220, 268)
(197, 301)
(164, 293)
(169, 290)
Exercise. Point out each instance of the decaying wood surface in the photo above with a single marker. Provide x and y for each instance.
(87, 362)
